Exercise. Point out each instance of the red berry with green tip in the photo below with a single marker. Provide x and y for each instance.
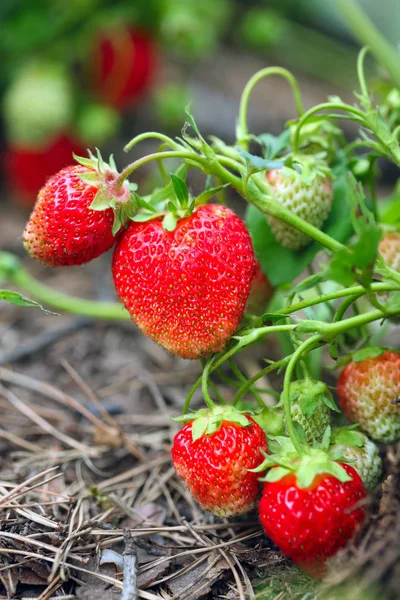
(215, 467)
(62, 229)
(186, 289)
(369, 392)
(311, 524)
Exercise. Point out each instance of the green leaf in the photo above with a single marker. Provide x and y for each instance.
(101, 201)
(368, 352)
(205, 196)
(355, 264)
(282, 265)
(276, 474)
(199, 427)
(117, 223)
(272, 144)
(180, 189)
(308, 404)
(327, 399)
(169, 222)
(326, 438)
(348, 437)
(258, 163)
(143, 204)
(192, 122)
(20, 300)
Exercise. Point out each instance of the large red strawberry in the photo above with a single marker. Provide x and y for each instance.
(307, 197)
(311, 520)
(213, 453)
(123, 65)
(28, 168)
(187, 288)
(369, 393)
(72, 221)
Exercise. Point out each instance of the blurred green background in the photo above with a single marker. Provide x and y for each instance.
(93, 73)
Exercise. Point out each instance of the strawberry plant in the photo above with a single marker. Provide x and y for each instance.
(185, 267)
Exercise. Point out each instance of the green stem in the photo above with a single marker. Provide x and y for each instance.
(331, 330)
(296, 356)
(247, 384)
(204, 385)
(357, 114)
(242, 379)
(152, 135)
(157, 156)
(71, 304)
(353, 291)
(360, 71)
(242, 131)
(366, 32)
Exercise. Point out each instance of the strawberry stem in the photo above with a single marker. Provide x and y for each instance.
(152, 135)
(305, 347)
(242, 130)
(204, 385)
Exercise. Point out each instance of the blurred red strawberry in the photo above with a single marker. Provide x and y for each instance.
(123, 64)
(27, 169)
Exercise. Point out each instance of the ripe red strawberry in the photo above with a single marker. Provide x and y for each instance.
(369, 392)
(312, 201)
(187, 288)
(72, 221)
(311, 523)
(213, 453)
(389, 248)
(27, 169)
(261, 292)
(124, 64)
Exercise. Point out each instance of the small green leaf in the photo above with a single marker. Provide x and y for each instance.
(143, 204)
(258, 163)
(272, 144)
(117, 222)
(90, 177)
(169, 222)
(308, 404)
(191, 121)
(368, 352)
(101, 201)
(20, 300)
(143, 217)
(180, 189)
(276, 474)
(328, 400)
(199, 427)
(205, 196)
(348, 437)
(326, 438)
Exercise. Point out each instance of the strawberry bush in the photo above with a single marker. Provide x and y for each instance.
(316, 262)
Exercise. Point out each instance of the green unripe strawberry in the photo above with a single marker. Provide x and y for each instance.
(360, 451)
(38, 104)
(309, 198)
(310, 406)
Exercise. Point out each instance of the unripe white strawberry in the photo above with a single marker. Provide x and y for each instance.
(312, 201)
(389, 248)
(364, 457)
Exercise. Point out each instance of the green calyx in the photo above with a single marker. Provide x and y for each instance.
(172, 202)
(308, 394)
(270, 420)
(363, 354)
(284, 460)
(207, 421)
(104, 176)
